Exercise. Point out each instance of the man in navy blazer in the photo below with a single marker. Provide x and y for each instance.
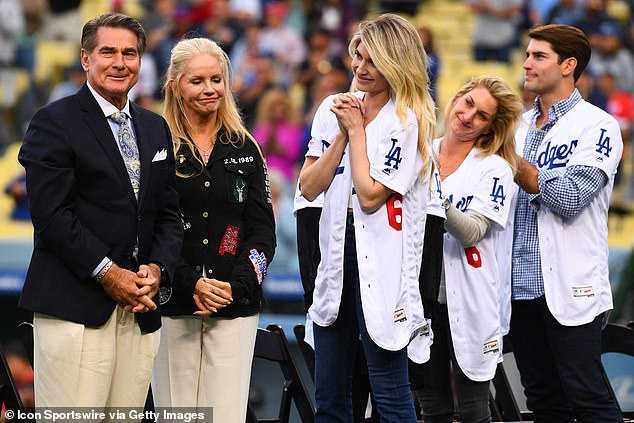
(100, 248)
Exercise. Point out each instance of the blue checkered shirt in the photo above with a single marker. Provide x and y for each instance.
(564, 194)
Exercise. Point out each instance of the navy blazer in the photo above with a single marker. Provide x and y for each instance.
(83, 207)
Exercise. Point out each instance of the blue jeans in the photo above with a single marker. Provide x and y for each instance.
(560, 366)
(335, 349)
(435, 394)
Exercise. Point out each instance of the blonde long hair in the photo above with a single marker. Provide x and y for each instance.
(228, 116)
(397, 52)
(500, 139)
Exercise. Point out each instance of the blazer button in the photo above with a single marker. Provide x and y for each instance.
(138, 218)
(205, 241)
(207, 184)
(205, 215)
(198, 268)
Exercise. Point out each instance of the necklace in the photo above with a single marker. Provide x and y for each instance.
(205, 152)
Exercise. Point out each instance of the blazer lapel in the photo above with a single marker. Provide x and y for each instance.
(96, 121)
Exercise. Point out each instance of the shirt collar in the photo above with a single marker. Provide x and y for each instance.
(557, 110)
(106, 107)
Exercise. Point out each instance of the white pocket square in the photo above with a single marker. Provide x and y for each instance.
(160, 155)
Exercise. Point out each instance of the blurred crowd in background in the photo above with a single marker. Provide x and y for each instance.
(287, 56)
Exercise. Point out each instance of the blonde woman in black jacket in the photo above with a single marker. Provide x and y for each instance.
(210, 317)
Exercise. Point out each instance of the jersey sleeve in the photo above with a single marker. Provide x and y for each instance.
(396, 162)
(600, 146)
(495, 190)
(321, 128)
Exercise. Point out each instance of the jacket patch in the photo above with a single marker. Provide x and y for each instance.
(229, 243)
(399, 315)
(491, 347)
(239, 190)
(582, 291)
(259, 264)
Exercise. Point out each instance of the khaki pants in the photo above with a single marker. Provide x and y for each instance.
(79, 366)
(205, 362)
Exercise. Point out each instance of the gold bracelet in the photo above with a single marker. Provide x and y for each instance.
(104, 270)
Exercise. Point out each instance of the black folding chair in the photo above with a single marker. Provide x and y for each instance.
(307, 351)
(271, 344)
(9, 395)
(502, 401)
(617, 339)
(25, 329)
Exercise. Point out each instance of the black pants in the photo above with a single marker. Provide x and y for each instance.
(560, 366)
(308, 249)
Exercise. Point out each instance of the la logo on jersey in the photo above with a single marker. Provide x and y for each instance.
(438, 187)
(603, 146)
(394, 155)
(497, 194)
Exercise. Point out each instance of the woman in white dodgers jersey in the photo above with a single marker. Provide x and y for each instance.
(474, 185)
(369, 154)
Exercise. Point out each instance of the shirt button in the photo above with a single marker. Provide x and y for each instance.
(210, 271)
(205, 214)
(205, 241)
(207, 184)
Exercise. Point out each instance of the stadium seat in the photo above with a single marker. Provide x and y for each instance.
(307, 351)
(502, 400)
(271, 344)
(9, 392)
(617, 339)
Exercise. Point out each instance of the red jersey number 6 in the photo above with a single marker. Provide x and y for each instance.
(473, 257)
(395, 211)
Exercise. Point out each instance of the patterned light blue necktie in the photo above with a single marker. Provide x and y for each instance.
(129, 151)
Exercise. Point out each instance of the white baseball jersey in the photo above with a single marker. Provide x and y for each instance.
(472, 275)
(434, 204)
(574, 251)
(299, 202)
(389, 241)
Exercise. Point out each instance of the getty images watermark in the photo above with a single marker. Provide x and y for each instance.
(92, 415)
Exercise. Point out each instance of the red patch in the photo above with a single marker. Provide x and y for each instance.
(229, 243)
(473, 257)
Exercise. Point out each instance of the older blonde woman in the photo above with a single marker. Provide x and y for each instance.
(211, 318)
